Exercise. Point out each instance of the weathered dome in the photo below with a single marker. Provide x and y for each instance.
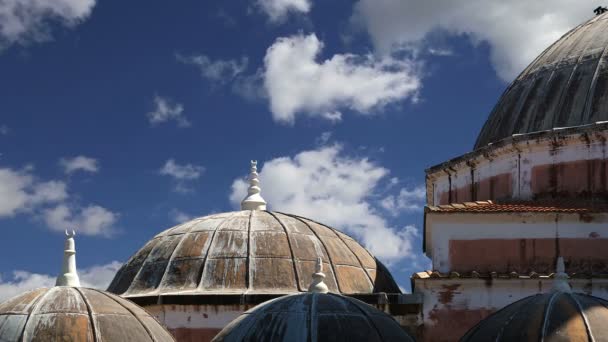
(567, 85)
(64, 313)
(557, 316)
(312, 317)
(249, 251)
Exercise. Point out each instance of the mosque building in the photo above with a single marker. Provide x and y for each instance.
(531, 195)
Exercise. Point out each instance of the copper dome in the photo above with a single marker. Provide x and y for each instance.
(250, 251)
(75, 314)
(313, 317)
(567, 85)
(557, 316)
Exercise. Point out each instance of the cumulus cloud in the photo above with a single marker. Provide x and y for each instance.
(328, 186)
(407, 200)
(167, 110)
(278, 10)
(221, 71)
(179, 216)
(20, 191)
(181, 174)
(298, 83)
(79, 163)
(516, 31)
(98, 276)
(25, 21)
(89, 220)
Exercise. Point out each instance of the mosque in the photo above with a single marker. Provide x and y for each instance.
(516, 231)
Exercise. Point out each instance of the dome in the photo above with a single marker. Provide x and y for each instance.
(313, 317)
(567, 85)
(557, 316)
(252, 252)
(64, 313)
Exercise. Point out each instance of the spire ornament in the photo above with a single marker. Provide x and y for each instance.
(560, 279)
(254, 200)
(69, 276)
(317, 285)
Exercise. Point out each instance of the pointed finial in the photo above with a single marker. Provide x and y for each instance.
(69, 276)
(254, 200)
(560, 279)
(317, 285)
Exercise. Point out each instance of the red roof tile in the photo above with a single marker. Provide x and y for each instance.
(521, 207)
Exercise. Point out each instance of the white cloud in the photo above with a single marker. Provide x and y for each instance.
(4, 130)
(24, 21)
(20, 191)
(278, 10)
(98, 276)
(221, 71)
(297, 83)
(182, 174)
(517, 31)
(335, 189)
(79, 163)
(89, 220)
(408, 200)
(167, 110)
(179, 216)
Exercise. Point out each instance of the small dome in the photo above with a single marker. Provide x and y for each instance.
(75, 314)
(557, 316)
(563, 87)
(249, 251)
(313, 317)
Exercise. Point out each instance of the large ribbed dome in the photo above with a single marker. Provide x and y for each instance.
(250, 251)
(75, 314)
(557, 316)
(313, 317)
(567, 85)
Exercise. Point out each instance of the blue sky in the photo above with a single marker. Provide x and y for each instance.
(121, 118)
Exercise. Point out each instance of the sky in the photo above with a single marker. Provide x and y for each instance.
(121, 119)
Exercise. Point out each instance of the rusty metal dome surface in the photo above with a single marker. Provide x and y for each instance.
(312, 317)
(557, 316)
(76, 314)
(566, 86)
(249, 252)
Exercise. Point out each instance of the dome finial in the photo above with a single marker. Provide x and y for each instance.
(254, 200)
(560, 279)
(317, 285)
(69, 276)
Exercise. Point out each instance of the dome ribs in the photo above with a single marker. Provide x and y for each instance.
(565, 86)
(202, 286)
(331, 262)
(293, 257)
(92, 319)
(34, 308)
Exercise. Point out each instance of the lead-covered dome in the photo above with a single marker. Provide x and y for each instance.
(249, 251)
(557, 316)
(567, 85)
(312, 317)
(64, 313)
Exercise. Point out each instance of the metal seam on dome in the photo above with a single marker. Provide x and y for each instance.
(365, 314)
(131, 311)
(313, 319)
(205, 259)
(355, 254)
(516, 313)
(248, 273)
(90, 311)
(144, 261)
(171, 258)
(331, 263)
(588, 100)
(547, 312)
(585, 320)
(34, 309)
(293, 257)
